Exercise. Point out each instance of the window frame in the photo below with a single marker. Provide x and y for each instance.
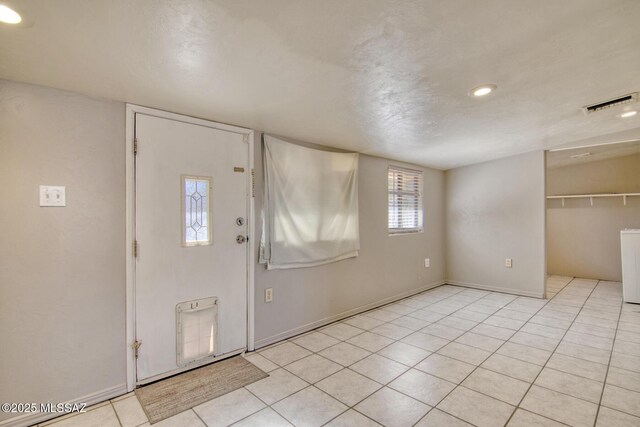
(420, 203)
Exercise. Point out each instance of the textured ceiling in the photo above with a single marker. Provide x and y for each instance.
(387, 78)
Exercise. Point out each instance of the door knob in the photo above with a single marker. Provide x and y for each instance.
(241, 239)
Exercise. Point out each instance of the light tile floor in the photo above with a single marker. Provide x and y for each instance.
(450, 356)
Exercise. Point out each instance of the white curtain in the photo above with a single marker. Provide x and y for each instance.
(311, 206)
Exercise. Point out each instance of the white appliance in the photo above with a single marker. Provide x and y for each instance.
(630, 241)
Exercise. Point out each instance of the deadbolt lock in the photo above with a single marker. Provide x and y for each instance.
(241, 239)
(240, 221)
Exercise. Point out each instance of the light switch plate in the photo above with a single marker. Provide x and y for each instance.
(508, 262)
(427, 263)
(268, 295)
(51, 195)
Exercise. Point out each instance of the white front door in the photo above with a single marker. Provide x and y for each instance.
(191, 191)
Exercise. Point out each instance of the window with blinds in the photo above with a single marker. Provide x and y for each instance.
(405, 200)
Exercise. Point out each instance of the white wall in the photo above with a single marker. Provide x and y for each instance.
(496, 210)
(387, 267)
(62, 270)
(584, 240)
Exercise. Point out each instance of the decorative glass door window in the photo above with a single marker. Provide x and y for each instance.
(196, 212)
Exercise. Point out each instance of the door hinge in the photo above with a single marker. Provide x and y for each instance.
(135, 249)
(135, 146)
(136, 346)
(253, 183)
(245, 138)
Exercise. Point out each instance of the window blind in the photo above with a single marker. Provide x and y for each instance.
(405, 200)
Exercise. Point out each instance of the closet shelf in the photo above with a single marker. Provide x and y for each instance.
(592, 196)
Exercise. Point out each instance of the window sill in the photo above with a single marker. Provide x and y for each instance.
(405, 232)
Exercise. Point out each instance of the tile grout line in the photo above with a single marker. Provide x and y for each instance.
(382, 385)
(477, 366)
(606, 376)
(274, 409)
(452, 314)
(318, 354)
(113, 408)
(413, 367)
(319, 329)
(399, 340)
(388, 322)
(624, 388)
(198, 416)
(420, 330)
(426, 333)
(537, 415)
(394, 341)
(542, 367)
(282, 415)
(353, 407)
(60, 418)
(552, 353)
(454, 340)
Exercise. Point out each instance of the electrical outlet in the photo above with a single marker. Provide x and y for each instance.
(507, 262)
(268, 295)
(51, 195)
(427, 263)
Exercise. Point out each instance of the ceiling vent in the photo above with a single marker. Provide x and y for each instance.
(622, 100)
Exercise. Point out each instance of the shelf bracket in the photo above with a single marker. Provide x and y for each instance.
(624, 199)
(563, 202)
(591, 200)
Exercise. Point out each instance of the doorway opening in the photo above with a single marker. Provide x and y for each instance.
(593, 193)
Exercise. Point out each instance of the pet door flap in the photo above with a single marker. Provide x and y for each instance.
(196, 330)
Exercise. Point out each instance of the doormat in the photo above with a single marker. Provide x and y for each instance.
(173, 395)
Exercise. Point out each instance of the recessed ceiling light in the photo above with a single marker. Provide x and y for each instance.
(9, 16)
(628, 114)
(483, 90)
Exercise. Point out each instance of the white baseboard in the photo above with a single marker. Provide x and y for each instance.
(495, 289)
(313, 325)
(90, 399)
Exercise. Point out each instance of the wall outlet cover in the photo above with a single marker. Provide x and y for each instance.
(268, 295)
(427, 262)
(52, 195)
(508, 263)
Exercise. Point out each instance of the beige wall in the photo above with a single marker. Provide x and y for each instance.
(584, 241)
(387, 266)
(62, 270)
(496, 210)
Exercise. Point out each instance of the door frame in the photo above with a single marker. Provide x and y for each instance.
(131, 110)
